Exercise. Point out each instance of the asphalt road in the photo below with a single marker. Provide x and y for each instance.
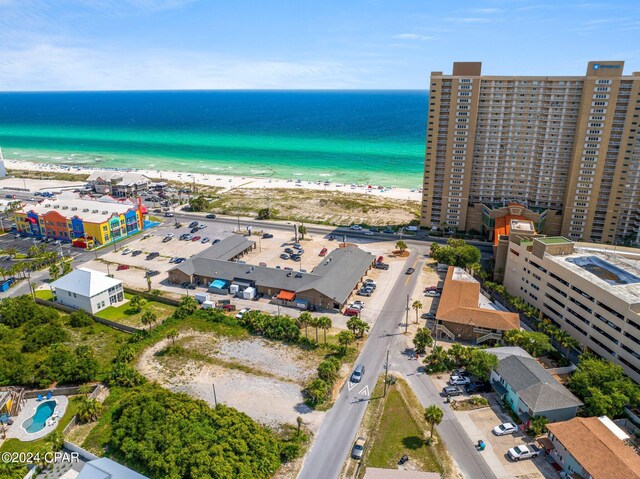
(339, 428)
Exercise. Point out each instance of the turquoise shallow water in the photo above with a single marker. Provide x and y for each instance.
(364, 137)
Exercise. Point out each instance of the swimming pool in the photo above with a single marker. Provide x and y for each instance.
(37, 422)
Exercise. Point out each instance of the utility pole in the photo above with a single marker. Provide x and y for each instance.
(238, 213)
(386, 372)
(406, 321)
(215, 399)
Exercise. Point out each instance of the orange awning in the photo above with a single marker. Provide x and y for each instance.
(286, 295)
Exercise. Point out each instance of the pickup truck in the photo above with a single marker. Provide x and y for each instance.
(523, 452)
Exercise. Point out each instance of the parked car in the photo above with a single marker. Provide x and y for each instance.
(150, 274)
(458, 381)
(284, 256)
(461, 372)
(267, 236)
(295, 257)
(166, 239)
(428, 316)
(288, 250)
(323, 252)
(211, 216)
(215, 241)
(148, 235)
(153, 255)
(432, 294)
(505, 428)
(136, 252)
(351, 312)
(196, 238)
(195, 229)
(297, 246)
(356, 375)
(389, 231)
(364, 292)
(122, 267)
(523, 452)
(331, 237)
(358, 448)
(478, 387)
(359, 304)
(241, 313)
(126, 251)
(409, 271)
(368, 233)
(205, 240)
(452, 391)
(202, 226)
(370, 282)
(193, 224)
(169, 215)
(381, 266)
(356, 227)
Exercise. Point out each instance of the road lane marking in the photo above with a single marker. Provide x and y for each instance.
(364, 391)
(351, 385)
(414, 267)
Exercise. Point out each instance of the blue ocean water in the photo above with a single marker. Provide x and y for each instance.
(345, 136)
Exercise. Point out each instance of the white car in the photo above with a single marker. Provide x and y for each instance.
(358, 304)
(411, 228)
(370, 282)
(505, 428)
(242, 312)
(169, 235)
(458, 381)
(356, 227)
(432, 294)
(126, 251)
(368, 233)
(523, 452)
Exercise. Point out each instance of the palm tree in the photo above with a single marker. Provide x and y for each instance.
(3, 272)
(136, 303)
(433, 415)
(54, 271)
(149, 318)
(305, 319)
(12, 252)
(172, 335)
(89, 410)
(325, 324)
(316, 324)
(417, 306)
(84, 389)
(345, 338)
(363, 327)
(149, 283)
(66, 268)
(302, 229)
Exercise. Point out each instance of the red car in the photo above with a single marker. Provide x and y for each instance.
(122, 267)
(323, 252)
(380, 259)
(196, 238)
(351, 312)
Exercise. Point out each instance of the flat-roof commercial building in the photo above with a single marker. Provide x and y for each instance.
(327, 286)
(592, 447)
(120, 184)
(465, 314)
(589, 291)
(69, 216)
(565, 147)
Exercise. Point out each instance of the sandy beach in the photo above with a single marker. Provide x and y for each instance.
(231, 182)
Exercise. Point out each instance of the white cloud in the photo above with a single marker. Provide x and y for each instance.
(412, 36)
(487, 11)
(48, 67)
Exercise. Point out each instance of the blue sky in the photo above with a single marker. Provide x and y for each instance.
(364, 44)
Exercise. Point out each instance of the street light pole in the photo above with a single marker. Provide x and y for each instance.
(386, 372)
(215, 399)
(406, 321)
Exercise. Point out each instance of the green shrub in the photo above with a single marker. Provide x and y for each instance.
(80, 319)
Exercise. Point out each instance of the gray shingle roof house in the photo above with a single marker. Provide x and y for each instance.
(328, 285)
(105, 468)
(531, 390)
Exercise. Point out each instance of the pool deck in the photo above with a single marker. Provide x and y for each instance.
(17, 431)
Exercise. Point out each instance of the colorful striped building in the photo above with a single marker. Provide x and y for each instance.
(69, 217)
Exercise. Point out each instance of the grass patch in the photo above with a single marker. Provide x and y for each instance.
(398, 431)
(474, 402)
(125, 314)
(42, 445)
(44, 294)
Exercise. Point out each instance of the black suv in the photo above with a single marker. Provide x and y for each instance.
(477, 387)
(153, 255)
(211, 216)
(193, 224)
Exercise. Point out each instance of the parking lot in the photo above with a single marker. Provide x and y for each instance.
(479, 424)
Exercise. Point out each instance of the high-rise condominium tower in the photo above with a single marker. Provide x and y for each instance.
(566, 149)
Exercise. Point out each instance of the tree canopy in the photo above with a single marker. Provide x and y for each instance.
(456, 253)
(533, 342)
(199, 203)
(481, 363)
(164, 434)
(603, 387)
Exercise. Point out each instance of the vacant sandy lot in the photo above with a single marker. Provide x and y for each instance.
(262, 378)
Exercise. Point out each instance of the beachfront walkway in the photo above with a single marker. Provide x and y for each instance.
(16, 430)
